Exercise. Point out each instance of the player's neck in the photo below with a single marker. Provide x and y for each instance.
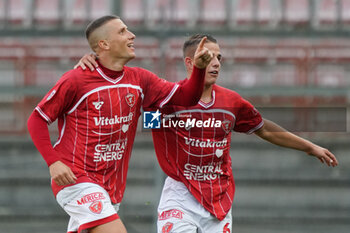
(112, 64)
(207, 94)
(110, 73)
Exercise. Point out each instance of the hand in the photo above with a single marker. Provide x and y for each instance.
(202, 56)
(87, 60)
(62, 174)
(324, 155)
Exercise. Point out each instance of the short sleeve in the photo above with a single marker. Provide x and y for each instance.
(248, 118)
(157, 91)
(58, 100)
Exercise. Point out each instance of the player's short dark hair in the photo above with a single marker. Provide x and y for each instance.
(98, 23)
(191, 43)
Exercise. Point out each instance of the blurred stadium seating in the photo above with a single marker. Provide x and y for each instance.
(279, 54)
(17, 13)
(234, 14)
(47, 13)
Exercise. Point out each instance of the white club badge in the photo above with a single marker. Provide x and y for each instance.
(219, 153)
(125, 128)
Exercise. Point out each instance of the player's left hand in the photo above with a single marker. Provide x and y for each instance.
(324, 155)
(202, 56)
(88, 60)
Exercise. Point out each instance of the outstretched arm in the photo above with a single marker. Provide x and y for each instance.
(275, 134)
(39, 132)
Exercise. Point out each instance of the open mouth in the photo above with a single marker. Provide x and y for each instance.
(214, 72)
(131, 45)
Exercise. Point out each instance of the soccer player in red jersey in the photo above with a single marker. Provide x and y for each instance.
(193, 146)
(97, 116)
(198, 193)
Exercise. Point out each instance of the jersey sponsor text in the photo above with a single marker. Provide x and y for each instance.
(109, 152)
(113, 120)
(205, 143)
(211, 171)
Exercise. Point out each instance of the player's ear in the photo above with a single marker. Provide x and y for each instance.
(188, 63)
(103, 44)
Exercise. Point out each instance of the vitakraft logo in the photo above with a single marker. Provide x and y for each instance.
(151, 119)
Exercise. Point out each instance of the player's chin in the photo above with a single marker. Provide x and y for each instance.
(132, 55)
(210, 81)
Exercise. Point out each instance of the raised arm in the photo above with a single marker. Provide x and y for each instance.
(189, 93)
(275, 134)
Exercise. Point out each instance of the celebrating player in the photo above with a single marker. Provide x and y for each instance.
(193, 148)
(196, 158)
(97, 116)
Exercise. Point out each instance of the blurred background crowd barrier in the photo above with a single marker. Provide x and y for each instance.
(290, 58)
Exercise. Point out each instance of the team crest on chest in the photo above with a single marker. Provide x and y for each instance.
(227, 126)
(130, 99)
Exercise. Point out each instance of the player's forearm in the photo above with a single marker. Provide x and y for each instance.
(39, 133)
(275, 134)
(189, 93)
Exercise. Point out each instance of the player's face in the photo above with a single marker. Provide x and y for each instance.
(213, 69)
(120, 39)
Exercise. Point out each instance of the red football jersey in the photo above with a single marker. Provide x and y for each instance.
(193, 146)
(97, 120)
